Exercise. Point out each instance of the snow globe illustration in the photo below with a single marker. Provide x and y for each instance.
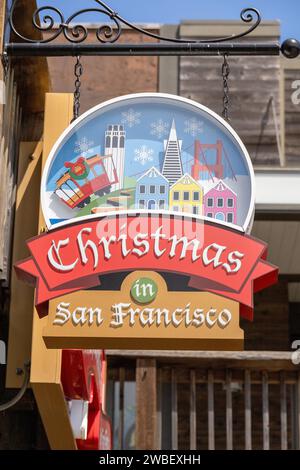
(149, 152)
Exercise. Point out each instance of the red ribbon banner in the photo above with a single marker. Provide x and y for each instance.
(217, 259)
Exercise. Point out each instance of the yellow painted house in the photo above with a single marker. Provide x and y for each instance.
(186, 195)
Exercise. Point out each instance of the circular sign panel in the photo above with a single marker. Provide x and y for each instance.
(149, 152)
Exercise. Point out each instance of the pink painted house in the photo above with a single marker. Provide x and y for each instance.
(220, 203)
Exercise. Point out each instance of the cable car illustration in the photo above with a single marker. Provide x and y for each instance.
(86, 176)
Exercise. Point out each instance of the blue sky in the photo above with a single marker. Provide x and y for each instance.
(172, 11)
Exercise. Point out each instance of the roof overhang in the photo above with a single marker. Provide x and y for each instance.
(277, 190)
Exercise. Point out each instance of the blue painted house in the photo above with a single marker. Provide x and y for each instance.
(152, 191)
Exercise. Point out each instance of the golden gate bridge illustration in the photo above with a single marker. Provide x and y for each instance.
(221, 167)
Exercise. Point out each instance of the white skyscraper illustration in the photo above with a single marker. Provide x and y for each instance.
(172, 166)
(115, 146)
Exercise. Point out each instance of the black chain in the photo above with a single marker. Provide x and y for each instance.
(225, 75)
(78, 71)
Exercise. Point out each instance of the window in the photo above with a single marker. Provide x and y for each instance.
(195, 210)
(196, 196)
(220, 202)
(210, 202)
(69, 184)
(142, 189)
(142, 204)
(186, 195)
(209, 214)
(152, 189)
(176, 196)
(175, 208)
(161, 204)
(62, 194)
(151, 204)
(230, 202)
(98, 170)
(162, 189)
(115, 142)
(107, 142)
(70, 191)
(230, 217)
(220, 216)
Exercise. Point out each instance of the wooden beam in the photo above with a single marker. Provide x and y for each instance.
(265, 411)
(174, 410)
(193, 411)
(46, 364)
(248, 412)
(283, 412)
(25, 227)
(270, 360)
(121, 408)
(146, 404)
(211, 410)
(183, 375)
(2, 26)
(159, 407)
(228, 410)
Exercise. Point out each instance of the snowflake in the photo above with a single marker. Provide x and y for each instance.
(143, 155)
(83, 146)
(159, 128)
(131, 117)
(193, 127)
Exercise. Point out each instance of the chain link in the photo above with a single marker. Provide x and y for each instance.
(78, 71)
(225, 75)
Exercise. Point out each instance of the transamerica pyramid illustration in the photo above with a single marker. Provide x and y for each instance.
(172, 166)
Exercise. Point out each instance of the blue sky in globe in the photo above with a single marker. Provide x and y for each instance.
(173, 11)
(146, 128)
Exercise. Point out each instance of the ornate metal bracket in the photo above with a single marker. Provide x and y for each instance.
(50, 19)
(51, 22)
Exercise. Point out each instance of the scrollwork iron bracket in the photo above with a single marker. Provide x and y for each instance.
(51, 23)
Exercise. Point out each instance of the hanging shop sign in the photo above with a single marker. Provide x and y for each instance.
(148, 183)
(143, 313)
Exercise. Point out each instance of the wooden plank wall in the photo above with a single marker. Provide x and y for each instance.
(9, 145)
(270, 329)
(254, 83)
(25, 87)
(263, 424)
(24, 90)
(230, 414)
(211, 404)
